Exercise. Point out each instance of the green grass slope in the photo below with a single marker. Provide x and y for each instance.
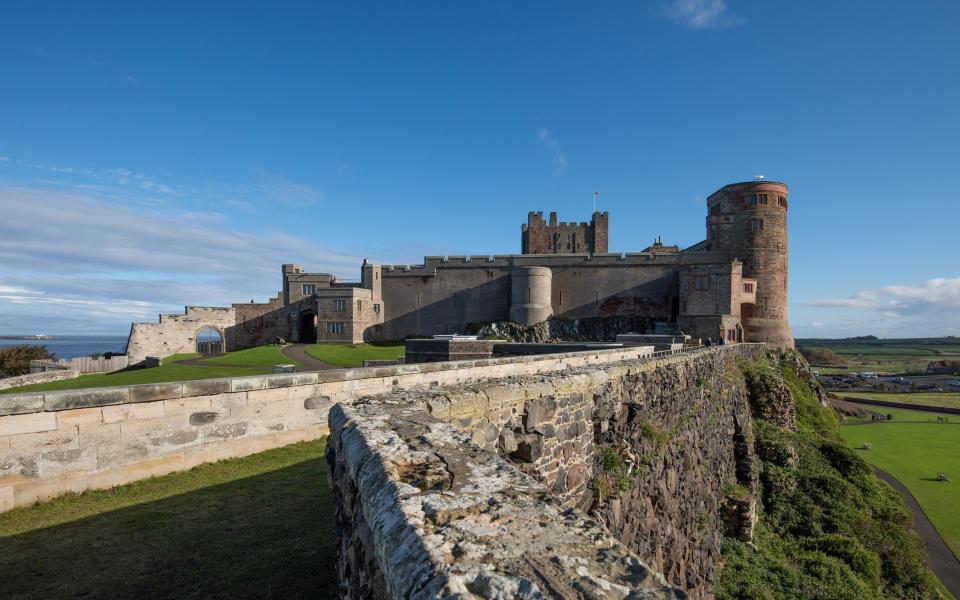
(251, 361)
(254, 527)
(828, 528)
(914, 447)
(346, 355)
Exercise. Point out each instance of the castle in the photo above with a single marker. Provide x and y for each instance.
(732, 285)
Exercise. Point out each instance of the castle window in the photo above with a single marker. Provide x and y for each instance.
(336, 326)
(715, 209)
(757, 199)
(376, 308)
(339, 305)
(782, 201)
(748, 288)
(359, 305)
(756, 225)
(309, 289)
(701, 282)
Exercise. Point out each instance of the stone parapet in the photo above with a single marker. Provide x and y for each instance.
(72, 440)
(648, 446)
(424, 513)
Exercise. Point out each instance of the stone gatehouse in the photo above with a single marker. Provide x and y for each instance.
(732, 285)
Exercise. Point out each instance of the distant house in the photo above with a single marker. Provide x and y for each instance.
(939, 367)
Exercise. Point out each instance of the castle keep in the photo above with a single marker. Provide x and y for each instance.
(732, 285)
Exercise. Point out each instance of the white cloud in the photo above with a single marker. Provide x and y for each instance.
(559, 159)
(73, 260)
(131, 80)
(929, 309)
(701, 14)
(280, 190)
(895, 300)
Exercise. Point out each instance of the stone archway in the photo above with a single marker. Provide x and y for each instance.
(307, 328)
(210, 340)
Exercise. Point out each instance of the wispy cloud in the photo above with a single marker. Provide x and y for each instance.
(105, 263)
(280, 190)
(701, 14)
(131, 80)
(930, 308)
(551, 143)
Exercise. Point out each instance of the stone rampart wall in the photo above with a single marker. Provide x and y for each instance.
(648, 447)
(72, 440)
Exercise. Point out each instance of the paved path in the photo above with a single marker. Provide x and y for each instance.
(297, 353)
(939, 557)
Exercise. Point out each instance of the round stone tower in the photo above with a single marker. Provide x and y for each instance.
(530, 290)
(748, 221)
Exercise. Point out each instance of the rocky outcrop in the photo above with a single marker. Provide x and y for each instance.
(560, 330)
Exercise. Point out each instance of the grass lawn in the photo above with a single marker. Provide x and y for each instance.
(252, 361)
(346, 355)
(914, 447)
(260, 356)
(940, 399)
(260, 526)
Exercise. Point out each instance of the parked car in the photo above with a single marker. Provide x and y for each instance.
(954, 383)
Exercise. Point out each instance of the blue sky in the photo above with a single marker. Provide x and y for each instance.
(154, 155)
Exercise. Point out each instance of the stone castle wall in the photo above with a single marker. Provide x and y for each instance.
(678, 426)
(73, 440)
(176, 334)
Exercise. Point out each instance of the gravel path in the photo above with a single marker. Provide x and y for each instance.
(939, 557)
(296, 352)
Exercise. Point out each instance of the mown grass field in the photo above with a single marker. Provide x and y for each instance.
(914, 447)
(886, 356)
(252, 361)
(939, 399)
(260, 526)
(346, 355)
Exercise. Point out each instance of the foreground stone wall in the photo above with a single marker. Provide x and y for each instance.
(423, 513)
(651, 448)
(73, 440)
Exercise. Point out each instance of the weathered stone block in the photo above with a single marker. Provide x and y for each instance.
(27, 423)
(153, 392)
(122, 412)
(68, 399)
(97, 434)
(229, 430)
(16, 404)
(206, 387)
(182, 406)
(317, 402)
(203, 418)
(79, 416)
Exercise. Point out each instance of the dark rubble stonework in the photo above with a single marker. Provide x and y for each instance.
(680, 425)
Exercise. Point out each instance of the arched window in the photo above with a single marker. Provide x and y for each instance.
(209, 341)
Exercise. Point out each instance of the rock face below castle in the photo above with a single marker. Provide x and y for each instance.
(732, 285)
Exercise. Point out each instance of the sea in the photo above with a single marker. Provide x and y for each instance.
(72, 346)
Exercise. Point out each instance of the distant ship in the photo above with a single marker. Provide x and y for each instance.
(36, 336)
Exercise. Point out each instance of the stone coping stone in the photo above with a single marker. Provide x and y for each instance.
(448, 519)
(30, 402)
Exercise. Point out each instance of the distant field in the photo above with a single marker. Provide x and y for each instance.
(887, 356)
(941, 399)
(914, 447)
(346, 355)
(252, 361)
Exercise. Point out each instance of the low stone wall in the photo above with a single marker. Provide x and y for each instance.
(42, 377)
(73, 440)
(648, 447)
